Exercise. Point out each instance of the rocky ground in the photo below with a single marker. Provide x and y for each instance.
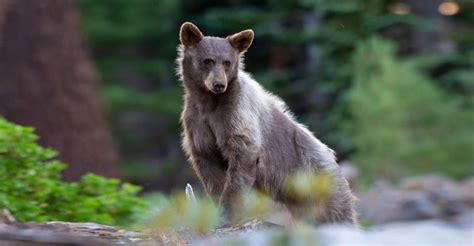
(418, 233)
(427, 197)
(429, 210)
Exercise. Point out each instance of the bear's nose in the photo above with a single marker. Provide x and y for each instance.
(219, 86)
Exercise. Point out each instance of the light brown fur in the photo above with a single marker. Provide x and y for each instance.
(238, 136)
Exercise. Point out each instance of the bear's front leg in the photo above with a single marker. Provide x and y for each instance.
(241, 173)
(209, 170)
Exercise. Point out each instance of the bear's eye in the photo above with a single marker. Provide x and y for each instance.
(227, 63)
(208, 61)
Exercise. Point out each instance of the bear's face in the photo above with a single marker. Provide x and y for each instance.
(212, 62)
(216, 62)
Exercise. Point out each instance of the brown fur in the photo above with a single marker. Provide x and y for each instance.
(243, 137)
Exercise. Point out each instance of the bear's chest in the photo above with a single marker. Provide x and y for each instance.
(203, 137)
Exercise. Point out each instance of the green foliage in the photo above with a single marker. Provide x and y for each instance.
(32, 190)
(302, 52)
(176, 212)
(401, 123)
(163, 102)
(178, 218)
(134, 46)
(128, 36)
(307, 185)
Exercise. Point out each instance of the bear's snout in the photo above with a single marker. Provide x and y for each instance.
(219, 86)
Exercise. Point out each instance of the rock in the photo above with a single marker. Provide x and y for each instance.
(465, 219)
(467, 191)
(441, 191)
(418, 207)
(384, 203)
(66, 233)
(416, 198)
(23, 234)
(253, 232)
(429, 232)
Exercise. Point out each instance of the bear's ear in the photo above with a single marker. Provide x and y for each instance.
(189, 34)
(242, 40)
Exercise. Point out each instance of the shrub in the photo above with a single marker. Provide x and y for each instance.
(401, 123)
(177, 212)
(32, 190)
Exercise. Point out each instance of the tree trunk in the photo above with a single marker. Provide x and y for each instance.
(47, 81)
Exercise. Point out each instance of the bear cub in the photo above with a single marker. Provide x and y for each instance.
(238, 136)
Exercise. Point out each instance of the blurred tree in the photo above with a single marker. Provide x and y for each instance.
(301, 52)
(49, 82)
(401, 123)
(134, 44)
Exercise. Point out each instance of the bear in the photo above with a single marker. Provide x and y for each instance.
(238, 136)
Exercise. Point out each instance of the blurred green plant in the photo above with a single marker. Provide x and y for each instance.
(180, 218)
(307, 185)
(177, 212)
(134, 46)
(129, 36)
(253, 204)
(301, 52)
(30, 185)
(401, 123)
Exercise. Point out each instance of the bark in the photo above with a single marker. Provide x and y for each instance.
(69, 233)
(47, 81)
